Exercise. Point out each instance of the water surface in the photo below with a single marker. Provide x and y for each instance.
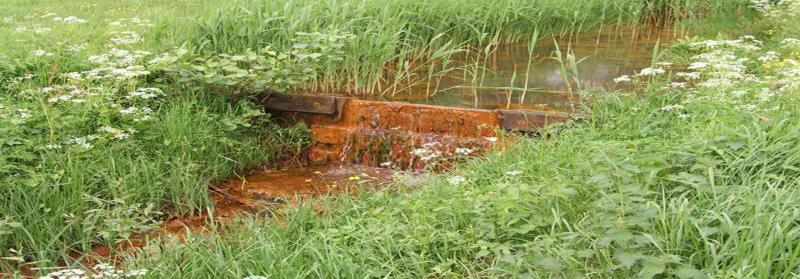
(605, 55)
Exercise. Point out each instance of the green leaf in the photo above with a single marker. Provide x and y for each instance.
(652, 267)
(627, 259)
(689, 272)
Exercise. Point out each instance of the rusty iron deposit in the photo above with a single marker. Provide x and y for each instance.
(348, 130)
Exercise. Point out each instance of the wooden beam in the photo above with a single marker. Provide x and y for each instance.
(320, 104)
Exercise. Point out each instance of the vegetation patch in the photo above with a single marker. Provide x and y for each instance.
(111, 120)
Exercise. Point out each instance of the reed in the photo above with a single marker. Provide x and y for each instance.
(412, 31)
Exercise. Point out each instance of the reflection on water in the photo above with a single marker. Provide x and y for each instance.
(603, 57)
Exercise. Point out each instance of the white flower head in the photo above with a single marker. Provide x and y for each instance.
(672, 107)
(697, 65)
(456, 180)
(42, 53)
(464, 151)
(688, 75)
(791, 43)
(678, 85)
(651, 72)
(65, 274)
(622, 78)
(769, 56)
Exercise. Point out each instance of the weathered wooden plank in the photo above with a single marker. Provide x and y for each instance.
(529, 121)
(301, 103)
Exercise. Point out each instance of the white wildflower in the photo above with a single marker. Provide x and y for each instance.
(456, 180)
(129, 110)
(99, 59)
(464, 151)
(768, 56)
(140, 22)
(65, 274)
(651, 72)
(678, 85)
(53, 146)
(83, 142)
(697, 65)
(145, 93)
(127, 38)
(116, 133)
(145, 117)
(72, 76)
(41, 30)
(20, 116)
(106, 271)
(513, 173)
(41, 53)
(791, 43)
(623, 78)
(688, 75)
(136, 273)
(426, 154)
(77, 47)
(672, 107)
(73, 20)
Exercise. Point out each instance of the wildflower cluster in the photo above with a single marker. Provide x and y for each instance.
(456, 180)
(720, 73)
(131, 22)
(643, 74)
(254, 71)
(14, 116)
(100, 271)
(780, 13)
(428, 152)
(117, 64)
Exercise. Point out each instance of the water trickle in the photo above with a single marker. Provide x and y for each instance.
(264, 189)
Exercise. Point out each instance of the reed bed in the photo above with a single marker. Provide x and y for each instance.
(394, 39)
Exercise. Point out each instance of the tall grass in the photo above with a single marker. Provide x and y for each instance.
(71, 200)
(56, 198)
(628, 193)
(411, 30)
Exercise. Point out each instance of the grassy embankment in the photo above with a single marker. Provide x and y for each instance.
(83, 161)
(694, 176)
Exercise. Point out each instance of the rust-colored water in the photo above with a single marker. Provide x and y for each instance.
(607, 54)
(263, 189)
